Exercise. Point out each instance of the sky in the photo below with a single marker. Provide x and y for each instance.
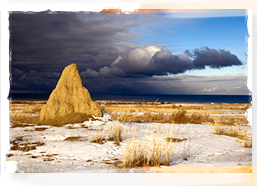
(145, 52)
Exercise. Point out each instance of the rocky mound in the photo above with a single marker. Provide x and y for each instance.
(69, 98)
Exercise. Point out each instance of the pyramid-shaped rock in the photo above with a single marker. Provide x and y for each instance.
(69, 97)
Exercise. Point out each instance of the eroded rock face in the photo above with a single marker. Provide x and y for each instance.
(69, 96)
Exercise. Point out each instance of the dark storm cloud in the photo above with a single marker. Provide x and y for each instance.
(61, 38)
(47, 42)
(213, 58)
(154, 60)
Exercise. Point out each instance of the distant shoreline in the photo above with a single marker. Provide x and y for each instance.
(147, 98)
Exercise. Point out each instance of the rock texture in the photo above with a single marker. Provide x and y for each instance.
(69, 97)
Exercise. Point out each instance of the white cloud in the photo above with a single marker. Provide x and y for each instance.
(210, 89)
(105, 71)
(89, 73)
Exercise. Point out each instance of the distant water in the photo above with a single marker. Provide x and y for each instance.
(159, 98)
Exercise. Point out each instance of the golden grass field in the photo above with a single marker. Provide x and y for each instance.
(162, 112)
(230, 114)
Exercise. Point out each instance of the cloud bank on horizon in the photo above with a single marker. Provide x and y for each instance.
(154, 60)
(129, 53)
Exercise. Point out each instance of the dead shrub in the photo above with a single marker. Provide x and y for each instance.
(146, 154)
(232, 132)
(175, 140)
(247, 143)
(70, 127)
(40, 128)
(244, 143)
(155, 152)
(179, 117)
(199, 119)
(98, 138)
(116, 133)
(74, 138)
(218, 128)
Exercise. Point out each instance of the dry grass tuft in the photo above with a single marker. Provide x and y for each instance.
(33, 167)
(244, 143)
(218, 128)
(247, 142)
(232, 131)
(175, 140)
(116, 133)
(74, 138)
(155, 152)
(200, 119)
(179, 117)
(98, 138)
(40, 128)
(182, 117)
